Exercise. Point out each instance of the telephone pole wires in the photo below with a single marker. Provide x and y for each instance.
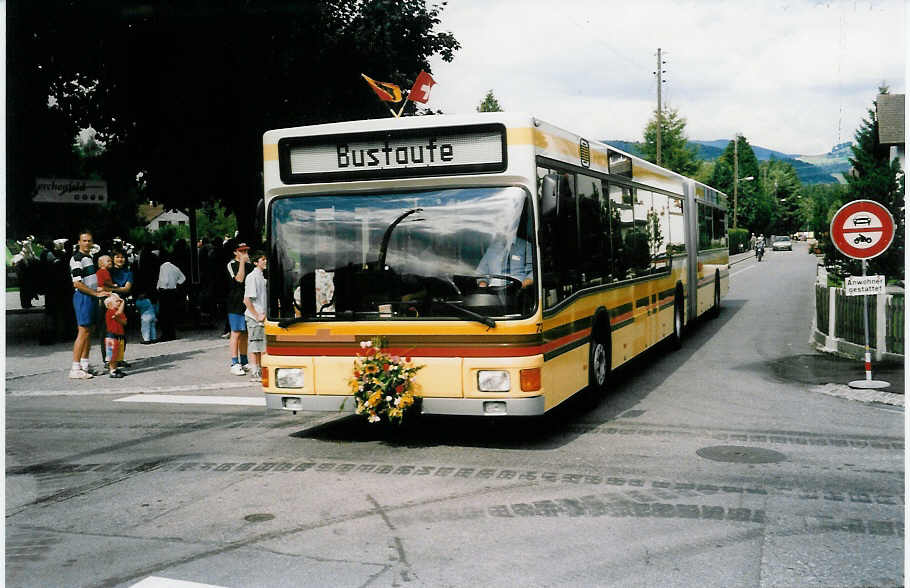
(659, 73)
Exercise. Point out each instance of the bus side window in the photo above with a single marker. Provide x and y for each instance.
(705, 222)
(720, 228)
(621, 223)
(559, 241)
(659, 231)
(593, 262)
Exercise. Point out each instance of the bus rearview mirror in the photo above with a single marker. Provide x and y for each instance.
(549, 195)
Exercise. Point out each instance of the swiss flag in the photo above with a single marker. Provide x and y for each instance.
(421, 90)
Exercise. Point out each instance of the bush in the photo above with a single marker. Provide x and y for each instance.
(739, 240)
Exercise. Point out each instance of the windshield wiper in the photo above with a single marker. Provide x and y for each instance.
(468, 313)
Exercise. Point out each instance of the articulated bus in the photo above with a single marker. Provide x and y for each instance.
(517, 262)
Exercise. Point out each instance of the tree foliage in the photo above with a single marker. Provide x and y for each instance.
(784, 193)
(675, 154)
(875, 177)
(754, 208)
(489, 103)
(183, 91)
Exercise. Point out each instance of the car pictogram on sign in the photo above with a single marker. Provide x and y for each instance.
(862, 220)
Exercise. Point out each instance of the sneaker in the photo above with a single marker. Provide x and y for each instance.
(117, 374)
(246, 368)
(256, 376)
(95, 371)
(123, 364)
(237, 370)
(80, 375)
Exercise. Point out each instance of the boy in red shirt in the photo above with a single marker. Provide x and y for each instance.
(115, 322)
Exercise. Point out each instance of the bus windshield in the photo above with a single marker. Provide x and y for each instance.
(465, 253)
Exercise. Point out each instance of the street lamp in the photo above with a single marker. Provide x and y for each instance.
(736, 192)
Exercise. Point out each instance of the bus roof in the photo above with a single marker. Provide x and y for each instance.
(548, 141)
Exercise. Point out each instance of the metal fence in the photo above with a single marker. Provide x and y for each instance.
(894, 332)
(847, 322)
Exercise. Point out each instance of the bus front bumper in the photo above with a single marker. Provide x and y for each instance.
(530, 406)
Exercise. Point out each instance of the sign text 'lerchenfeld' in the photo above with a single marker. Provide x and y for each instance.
(389, 155)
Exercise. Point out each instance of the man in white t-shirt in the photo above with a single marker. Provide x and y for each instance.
(255, 297)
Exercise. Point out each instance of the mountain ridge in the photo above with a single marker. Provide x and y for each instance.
(825, 168)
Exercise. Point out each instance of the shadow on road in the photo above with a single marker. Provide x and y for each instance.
(630, 384)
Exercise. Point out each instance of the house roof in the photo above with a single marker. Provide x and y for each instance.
(889, 110)
(150, 213)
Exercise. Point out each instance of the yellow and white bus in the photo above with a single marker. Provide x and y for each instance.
(516, 261)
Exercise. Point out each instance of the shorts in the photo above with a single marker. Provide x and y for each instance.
(255, 342)
(237, 322)
(113, 345)
(86, 309)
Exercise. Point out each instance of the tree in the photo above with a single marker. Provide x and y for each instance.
(184, 91)
(875, 177)
(784, 192)
(753, 207)
(489, 103)
(676, 155)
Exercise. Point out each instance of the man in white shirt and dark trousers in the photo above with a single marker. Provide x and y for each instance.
(255, 296)
(169, 278)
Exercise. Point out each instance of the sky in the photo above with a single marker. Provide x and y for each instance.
(796, 76)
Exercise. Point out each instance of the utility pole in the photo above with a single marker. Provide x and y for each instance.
(735, 175)
(659, 113)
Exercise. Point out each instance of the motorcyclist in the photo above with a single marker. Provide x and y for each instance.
(760, 247)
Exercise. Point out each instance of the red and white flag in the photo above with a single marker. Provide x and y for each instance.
(421, 90)
(387, 92)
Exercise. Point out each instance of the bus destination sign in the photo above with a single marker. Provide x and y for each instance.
(411, 153)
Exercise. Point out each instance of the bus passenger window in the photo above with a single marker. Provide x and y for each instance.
(659, 231)
(676, 241)
(594, 260)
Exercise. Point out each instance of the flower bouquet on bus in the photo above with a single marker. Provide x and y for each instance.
(383, 385)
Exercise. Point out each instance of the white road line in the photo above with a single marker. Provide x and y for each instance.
(745, 269)
(89, 390)
(182, 399)
(159, 582)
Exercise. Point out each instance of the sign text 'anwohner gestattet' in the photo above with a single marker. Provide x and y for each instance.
(864, 285)
(400, 156)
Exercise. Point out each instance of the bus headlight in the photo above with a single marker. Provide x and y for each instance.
(289, 378)
(493, 381)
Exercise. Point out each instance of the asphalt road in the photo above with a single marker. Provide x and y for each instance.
(726, 463)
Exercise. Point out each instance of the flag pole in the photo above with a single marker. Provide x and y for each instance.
(405, 103)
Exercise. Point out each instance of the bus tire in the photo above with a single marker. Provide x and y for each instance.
(677, 336)
(715, 309)
(599, 360)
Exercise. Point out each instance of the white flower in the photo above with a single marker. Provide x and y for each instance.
(365, 344)
(388, 399)
(373, 418)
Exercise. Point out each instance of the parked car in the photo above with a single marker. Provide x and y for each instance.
(781, 243)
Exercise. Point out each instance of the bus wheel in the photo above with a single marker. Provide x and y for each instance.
(676, 337)
(599, 362)
(715, 310)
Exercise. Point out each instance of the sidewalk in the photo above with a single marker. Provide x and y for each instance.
(196, 363)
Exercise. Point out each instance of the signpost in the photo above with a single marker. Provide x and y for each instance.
(863, 229)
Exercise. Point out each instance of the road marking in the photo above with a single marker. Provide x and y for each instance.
(93, 391)
(183, 399)
(745, 269)
(159, 582)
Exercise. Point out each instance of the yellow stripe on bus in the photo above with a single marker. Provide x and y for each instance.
(270, 152)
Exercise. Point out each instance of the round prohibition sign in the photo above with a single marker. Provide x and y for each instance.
(862, 229)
